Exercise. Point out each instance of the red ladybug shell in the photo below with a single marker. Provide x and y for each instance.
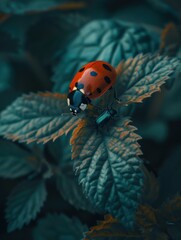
(95, 78)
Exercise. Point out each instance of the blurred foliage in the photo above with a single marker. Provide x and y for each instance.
(20, 6)
(60, 227)
(152, 223)
(42, 45)
(107, 40)
(24, 203)
(37, 118)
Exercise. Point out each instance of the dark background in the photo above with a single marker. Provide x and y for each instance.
(31, 42)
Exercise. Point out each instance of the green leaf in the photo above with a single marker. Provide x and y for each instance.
(52, 32)
(19, 7)
(37, 117)
(14, 161)
(72, 192)
(24, 203)
(108, 40)
(66, 182)
(60, 227)
(140, 77)
(108, 167)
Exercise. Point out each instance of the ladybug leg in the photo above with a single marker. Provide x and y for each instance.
(116, 96)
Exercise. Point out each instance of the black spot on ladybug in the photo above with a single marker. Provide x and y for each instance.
(107, 79)
(107, 67)
(98, 90)
(82, 69)
(93, 74)
(79, 85)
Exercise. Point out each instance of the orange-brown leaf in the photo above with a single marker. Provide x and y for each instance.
(146, 217)
(110, 227)
(171, 210)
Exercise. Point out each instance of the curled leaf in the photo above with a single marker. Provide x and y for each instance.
(108, 167)
(37, 117)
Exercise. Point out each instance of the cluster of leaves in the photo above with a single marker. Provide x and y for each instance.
(27, 198)
(152, 223)
(107, 161)
(110, 175)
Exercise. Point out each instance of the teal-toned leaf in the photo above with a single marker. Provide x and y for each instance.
(71, 191)
(167, 6)
(170, 175)
(66, 182)
(61, 227)
(24, 203)
(170, 109)
(17, 27)
(107, 40)
(14, 161)
(140, 77)
(8, 43)
(108, 167)
(37, 117)
(5, 74)
(19, 6)
(52, 32)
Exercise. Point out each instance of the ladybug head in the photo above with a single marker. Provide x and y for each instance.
(77, 101)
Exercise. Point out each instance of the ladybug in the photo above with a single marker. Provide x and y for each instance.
(90, 82)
